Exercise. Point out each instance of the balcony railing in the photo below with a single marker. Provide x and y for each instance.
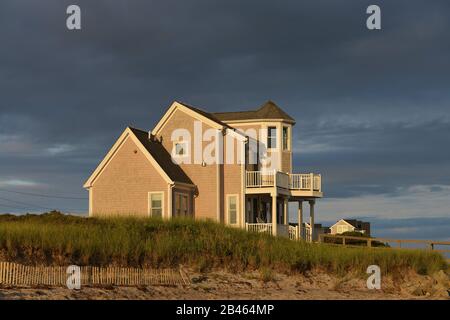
(292, 181)
(283, 230)
(259, 227)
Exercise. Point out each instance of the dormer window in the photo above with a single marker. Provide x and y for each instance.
(271, 137)
(181, 149)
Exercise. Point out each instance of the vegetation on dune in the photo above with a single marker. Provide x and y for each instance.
(56, 239)
(354, 242)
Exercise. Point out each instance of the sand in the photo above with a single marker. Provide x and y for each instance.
(221, 284)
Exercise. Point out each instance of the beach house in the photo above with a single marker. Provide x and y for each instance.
(231, 167)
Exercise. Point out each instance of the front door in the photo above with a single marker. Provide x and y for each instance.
(181, 205)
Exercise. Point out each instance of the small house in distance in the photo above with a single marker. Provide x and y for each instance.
(346, 225)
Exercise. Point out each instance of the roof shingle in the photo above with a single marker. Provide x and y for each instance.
(268, 110)
(162, 156)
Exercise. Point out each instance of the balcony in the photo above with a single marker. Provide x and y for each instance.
(296, 184)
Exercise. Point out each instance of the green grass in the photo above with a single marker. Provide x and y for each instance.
(55, 239)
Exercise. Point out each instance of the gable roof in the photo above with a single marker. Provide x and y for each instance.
(162, 157)
(200, 114)
(268, 111)
(346, 221)
(154, 152)
(206, 114)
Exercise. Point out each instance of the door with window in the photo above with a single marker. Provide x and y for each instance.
(182, 205)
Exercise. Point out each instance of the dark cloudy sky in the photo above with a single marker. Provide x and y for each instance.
(372, 107)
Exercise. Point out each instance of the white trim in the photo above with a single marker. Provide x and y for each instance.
(236, 134)
(343, 220)
(184, 186)
(288, 138)
(238, 216)
(178, 106)
(269, 136)
(169, 201)
(149, 200)
(218, 192)
(252, 121)
(128, 133)
(106, 160)
(91, 202)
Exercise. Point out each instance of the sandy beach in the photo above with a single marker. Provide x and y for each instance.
(225, 285)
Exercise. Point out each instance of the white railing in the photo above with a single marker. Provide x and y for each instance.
(259, 179)
(293, 232)
(259, 227)
(307, 234)
(283, 230)
(294, 181)
(300, 181)
(282, 180)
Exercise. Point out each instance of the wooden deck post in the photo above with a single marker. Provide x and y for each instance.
(286, 211)
(274, 214)
(311, 217)
(300, 219)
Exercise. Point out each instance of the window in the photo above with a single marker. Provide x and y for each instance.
(286, 138)
(181, 148)
(272, 137)
(232, 202)
(342, 229)
(156, 204)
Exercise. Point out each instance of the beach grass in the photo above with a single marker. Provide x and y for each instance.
(56, 239)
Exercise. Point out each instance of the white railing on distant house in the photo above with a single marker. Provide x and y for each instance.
(259, 227)
(294, 181)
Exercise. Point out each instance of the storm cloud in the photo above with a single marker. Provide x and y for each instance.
(372, 107)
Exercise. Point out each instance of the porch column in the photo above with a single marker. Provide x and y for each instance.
(311, 217)
(274, 215)
(300, 220)
(286, 211)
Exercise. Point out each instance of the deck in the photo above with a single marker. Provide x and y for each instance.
(292, 184)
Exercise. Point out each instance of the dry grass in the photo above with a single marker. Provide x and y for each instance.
(55, 239)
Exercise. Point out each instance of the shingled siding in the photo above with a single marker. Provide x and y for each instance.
(286, 164)
(123, 186)
(205, 178)
(232, 181)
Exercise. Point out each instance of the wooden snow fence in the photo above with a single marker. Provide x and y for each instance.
(21, 275)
